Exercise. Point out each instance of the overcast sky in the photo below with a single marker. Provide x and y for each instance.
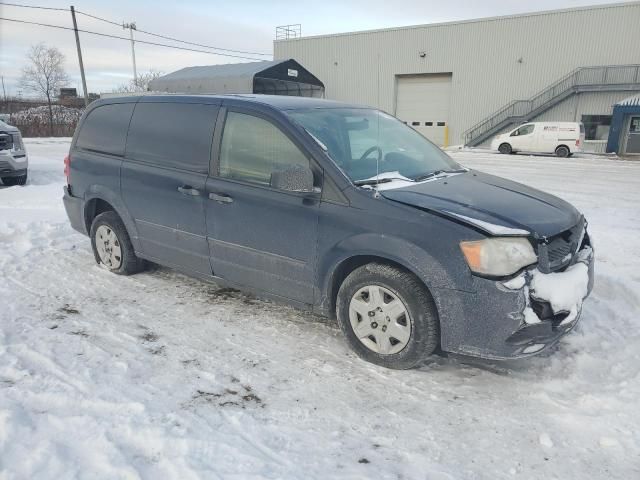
(242, 25)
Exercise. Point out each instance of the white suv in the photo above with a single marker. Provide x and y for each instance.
(13, 156)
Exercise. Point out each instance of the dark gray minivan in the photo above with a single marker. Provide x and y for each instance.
(331, 207)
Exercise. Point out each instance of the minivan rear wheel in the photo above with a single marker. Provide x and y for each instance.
(111, 245)
(388, 316)
(562, 151)
(505, 149)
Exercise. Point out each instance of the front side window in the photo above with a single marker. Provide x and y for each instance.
(366, 143)
(524, 130)
(253, 148)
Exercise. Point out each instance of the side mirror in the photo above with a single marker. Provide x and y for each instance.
(293, 179)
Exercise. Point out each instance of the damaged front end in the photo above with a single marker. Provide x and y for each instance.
(551, 293)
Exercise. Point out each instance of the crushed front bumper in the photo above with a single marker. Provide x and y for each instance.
(519, 317)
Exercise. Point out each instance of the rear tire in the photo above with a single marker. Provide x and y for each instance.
(111, 245)
(11, 181)
(505, 149)
(401, 330)
(562, 151)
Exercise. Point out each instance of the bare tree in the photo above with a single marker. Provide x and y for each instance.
(141, 84)
(45, 74)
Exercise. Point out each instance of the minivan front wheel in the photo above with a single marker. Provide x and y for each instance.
(111, 245)
(388, 316)
(505, 149)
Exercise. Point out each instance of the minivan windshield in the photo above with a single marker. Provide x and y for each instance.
(368, 144)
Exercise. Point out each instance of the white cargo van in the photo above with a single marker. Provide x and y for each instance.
(560, 138)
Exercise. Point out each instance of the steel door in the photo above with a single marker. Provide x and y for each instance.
(632, 140)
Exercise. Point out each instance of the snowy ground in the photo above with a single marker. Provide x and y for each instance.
(162, 376)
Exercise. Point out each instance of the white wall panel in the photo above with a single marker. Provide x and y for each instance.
(493, 61)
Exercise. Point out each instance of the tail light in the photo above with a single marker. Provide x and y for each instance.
(67, 168)
(577, 142)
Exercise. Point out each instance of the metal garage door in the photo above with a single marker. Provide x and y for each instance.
(422, 101)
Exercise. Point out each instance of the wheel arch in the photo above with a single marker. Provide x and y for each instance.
(93, 208)
(348, 265)
(99, 199)
(344, 259)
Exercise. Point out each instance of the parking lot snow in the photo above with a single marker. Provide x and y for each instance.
(162, 376)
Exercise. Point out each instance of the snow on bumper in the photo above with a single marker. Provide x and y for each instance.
(553, 302)
(515, 318)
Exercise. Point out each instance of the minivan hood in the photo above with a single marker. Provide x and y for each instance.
(495, 205)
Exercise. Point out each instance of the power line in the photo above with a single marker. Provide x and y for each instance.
(99, 18)
(33, 6)
(127, 39)
(201, 45)
(117, 24)
(173, 38)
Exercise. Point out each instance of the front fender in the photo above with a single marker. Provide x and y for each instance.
(103, 193)
(431, 271)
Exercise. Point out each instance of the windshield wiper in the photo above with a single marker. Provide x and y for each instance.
(375, 181)
(435, 173)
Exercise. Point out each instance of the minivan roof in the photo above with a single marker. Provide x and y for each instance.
(280, 102)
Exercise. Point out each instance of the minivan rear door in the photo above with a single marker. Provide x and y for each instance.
(259, 236)
(163, 179)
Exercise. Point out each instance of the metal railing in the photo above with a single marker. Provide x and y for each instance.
(286, 32)
(584, 78)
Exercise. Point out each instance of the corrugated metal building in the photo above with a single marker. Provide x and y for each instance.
(469, 80)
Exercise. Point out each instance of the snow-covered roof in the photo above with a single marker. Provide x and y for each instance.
(231, 78)
(235, 70)
(631, 101)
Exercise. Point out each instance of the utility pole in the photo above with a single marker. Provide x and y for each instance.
(132, 26)
(84, 80)
(4, 95)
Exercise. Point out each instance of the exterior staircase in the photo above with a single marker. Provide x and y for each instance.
(609, 78)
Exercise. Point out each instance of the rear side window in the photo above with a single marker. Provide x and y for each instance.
(105, 129)
(176, 135)
(253, 148)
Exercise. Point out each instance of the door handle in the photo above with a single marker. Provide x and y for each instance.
(220, 197)
(189, 190)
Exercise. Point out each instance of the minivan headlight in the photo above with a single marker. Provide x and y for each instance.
(498, 256)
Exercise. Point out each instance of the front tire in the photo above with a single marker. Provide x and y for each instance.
(505, 149)
(11, 181)
(388, 316)
(111, 245)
